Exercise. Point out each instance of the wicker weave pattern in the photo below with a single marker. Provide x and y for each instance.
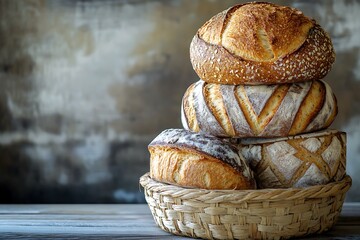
(249, 214)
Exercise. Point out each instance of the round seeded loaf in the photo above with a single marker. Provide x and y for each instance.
(261, 43)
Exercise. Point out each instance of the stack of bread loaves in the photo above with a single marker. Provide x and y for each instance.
(260, 113)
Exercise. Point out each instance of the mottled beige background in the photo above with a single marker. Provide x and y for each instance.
(86, 85)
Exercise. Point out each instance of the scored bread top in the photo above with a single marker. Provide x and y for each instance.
(258, 31)
(296, 161)
(261, 43)
(258, 111)
(204, 144)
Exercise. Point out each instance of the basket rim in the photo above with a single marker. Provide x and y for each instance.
(216, 196)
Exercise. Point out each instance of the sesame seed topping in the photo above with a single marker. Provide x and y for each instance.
(312, 61)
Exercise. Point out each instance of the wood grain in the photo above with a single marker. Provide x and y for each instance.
(117, 222)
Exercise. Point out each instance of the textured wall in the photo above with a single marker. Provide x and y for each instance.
(86, 85)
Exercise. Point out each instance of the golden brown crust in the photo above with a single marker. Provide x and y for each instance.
(263, 32)
(188, 159)
(309, 108)
(261, 44)
(188, 106)
(190, 169)
(214, 101)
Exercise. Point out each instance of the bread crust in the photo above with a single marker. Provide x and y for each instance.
(298, 161)
(196, 160)
(289, 48)
(260, 111)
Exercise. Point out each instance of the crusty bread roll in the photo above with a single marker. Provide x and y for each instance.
(258, 111)
(261, 43)
(299, 161)
(195, 160)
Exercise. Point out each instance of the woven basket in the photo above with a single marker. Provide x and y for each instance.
(245, 214)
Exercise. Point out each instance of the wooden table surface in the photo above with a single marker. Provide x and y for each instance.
(118, 221)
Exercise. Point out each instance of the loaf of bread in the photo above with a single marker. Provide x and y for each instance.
(198, 160)
(258, 111)
(261, 43)
(299, 161)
